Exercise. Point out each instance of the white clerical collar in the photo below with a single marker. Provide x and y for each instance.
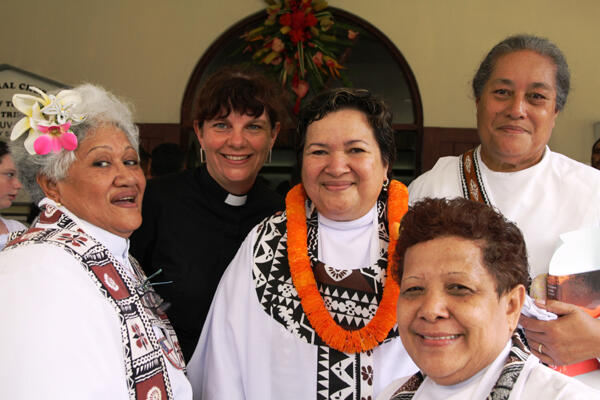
(117, 245)
(349, 225)
(236, 201)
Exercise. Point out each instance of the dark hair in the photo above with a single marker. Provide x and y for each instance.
(501, 242)
(3, 149)
(242, 90)
(377, 113)
(166, 158)
(540, 45)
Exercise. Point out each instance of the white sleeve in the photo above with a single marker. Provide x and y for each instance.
(215, 367)
(441, 181)
(60, 338)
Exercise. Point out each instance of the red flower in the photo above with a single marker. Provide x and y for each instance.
(297, 35)
(298, 20)
(286, 19)
(311, 20)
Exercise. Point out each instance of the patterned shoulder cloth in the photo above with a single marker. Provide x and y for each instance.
(145, 366)
(513, 366)
(470, 178)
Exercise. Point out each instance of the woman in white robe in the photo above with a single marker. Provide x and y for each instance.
(462, 270)
(80, 319)
(306, 308)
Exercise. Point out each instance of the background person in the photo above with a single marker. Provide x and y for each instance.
(167, 158)
(81, 320)
(462, 271)
(195, 221)
(520, 88)
(596, 154)
(306, 308)
(9, 188)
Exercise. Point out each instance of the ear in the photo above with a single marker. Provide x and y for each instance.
(198, 131)
(556, 112)
(49, 187)
(515, 299)
(275, 132)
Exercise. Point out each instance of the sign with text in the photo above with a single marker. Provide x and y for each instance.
(13, 81)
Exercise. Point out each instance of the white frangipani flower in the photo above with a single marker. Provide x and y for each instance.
(45, 111)
(60, 106)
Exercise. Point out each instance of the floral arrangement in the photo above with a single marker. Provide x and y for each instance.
(48, 120)
(300, 41)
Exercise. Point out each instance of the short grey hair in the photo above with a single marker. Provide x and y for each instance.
(101, 108)
(540, 45)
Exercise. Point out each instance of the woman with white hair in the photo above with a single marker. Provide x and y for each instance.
(80, 318)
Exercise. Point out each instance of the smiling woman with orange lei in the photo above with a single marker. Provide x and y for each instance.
(306, 309)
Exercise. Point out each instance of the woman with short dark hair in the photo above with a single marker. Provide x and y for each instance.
(462, 271)
(195, 221)
(306, 309)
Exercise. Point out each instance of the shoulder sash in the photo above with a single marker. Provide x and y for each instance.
(145, 366)
(470, 178)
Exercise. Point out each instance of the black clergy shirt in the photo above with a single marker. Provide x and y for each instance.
(192, 234)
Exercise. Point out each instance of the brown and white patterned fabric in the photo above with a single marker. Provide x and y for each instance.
(501, 391)
(351, 297)
(143, 352)
(470, 178)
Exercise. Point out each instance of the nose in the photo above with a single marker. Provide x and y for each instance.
(236, 138)
(337, 164)
(433, 306)
(17, 183)
(127, 175)
(517, 107)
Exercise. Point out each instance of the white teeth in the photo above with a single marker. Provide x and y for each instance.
(236, 158)
(440, 337)
(130, 198)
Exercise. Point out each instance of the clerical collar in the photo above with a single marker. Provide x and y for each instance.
(236, 201)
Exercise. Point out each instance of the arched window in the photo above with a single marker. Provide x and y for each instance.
(373, 63)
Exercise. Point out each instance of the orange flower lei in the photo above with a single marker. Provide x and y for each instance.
(373, 333)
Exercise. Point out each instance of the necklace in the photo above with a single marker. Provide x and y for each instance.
(373, 333)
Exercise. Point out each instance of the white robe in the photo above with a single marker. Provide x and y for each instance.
(60, 337)
(536, 382)
(244, 354)
(554, 196)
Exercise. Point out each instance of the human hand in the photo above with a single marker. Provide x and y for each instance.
(573, 337)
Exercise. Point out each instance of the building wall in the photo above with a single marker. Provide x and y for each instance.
(146, 50)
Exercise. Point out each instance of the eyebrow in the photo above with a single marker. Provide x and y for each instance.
(535, 85)
(105, 146)
(348, 143)
(448, 274)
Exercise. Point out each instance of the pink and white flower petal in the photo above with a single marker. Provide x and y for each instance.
(43, 144)
(68, 141)
(33, 136)
(24, 103)
(20, 127)
(45, 99)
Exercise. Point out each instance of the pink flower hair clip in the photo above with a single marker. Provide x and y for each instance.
(47, 120)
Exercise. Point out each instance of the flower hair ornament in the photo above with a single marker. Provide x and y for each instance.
(48, 120)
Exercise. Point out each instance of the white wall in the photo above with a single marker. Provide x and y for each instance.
(146, 50)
